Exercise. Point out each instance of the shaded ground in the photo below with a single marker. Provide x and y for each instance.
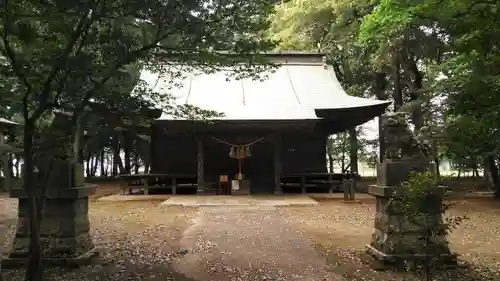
(141, 240)
(340, 231)
(249, 244)
(136, 240)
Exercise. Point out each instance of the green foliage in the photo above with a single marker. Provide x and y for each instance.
(331, 27)
(338, 148)
(72, 55)
(422, 206)
(69, 55)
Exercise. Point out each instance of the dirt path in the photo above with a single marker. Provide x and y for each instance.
(8, 218)
(248, 243)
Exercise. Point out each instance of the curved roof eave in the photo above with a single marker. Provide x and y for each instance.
(6, 122)
(299, 89)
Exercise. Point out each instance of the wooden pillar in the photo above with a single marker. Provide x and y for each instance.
(145, 186)
(303, 189)
(330, 183)
(174, 186)
(345, 187)
(277, 165)
(201, 166)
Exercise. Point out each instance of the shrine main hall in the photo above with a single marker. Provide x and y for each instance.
(270, 130)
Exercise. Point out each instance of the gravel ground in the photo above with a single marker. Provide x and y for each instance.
(141, 240)
(249, 244)
(136, 240)
(8, 209)
(340, 231)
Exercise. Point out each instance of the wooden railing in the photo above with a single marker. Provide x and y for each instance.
(331, 182)
(131, 184)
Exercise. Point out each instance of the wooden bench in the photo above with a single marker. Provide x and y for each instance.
(182, 181)
(145, 182)
(136, 181)
(296, 181)
(304, 180)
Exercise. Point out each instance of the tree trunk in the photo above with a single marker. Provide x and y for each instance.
(342, 163)
(380, 85)
(488, 182)
(330, 163)
(398, 95)
(345, 139)
(435, 155)
(10, 163)
(137, 165)
(494, 175)
(109, 168)
(77, 141)
(416, 114)
(16, 165)
(475, 170)
(116, 153)
(95, 164)
(438, 171)
(101, 159)
(34, 271)
(127, 152)
(353, 150)
(87, 165)
(121, 168)
(329, 154)
(92, 163)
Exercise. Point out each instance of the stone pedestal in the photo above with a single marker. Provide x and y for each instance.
(395, 239)
(65, 227)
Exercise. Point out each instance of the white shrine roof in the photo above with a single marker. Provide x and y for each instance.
(293, 91)
(4, 121)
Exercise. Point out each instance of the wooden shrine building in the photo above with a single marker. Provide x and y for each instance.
(270, 128)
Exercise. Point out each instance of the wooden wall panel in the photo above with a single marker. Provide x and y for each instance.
(304, 153)
(177, 155)
(173, 154)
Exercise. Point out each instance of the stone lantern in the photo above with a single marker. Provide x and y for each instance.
(396, 240)
(64, 230)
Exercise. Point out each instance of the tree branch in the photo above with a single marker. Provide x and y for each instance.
(120, 63)
(9, 53)
(84, 23)
(473, 5)
(459, 14)
(64, 78)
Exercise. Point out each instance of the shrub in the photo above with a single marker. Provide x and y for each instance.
(424, 210)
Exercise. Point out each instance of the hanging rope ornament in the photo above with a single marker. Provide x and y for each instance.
(239, 152)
